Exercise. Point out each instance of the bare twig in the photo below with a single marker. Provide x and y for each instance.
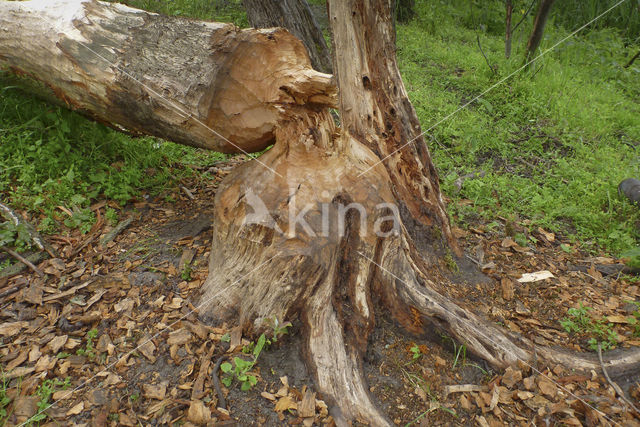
(122, 225)
(632, 59)
(491, 67)
(23, 260)
(14, 217)
(187, 192)
(13, 289)
(615, 386)
(524, 16)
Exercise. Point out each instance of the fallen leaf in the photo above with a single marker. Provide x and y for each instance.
(155, 391)
(511, 377)
(307, 408)
(535, 277)
(56, 344)
(76, 409)
(547, 387)
(285, 403)
(8, 329)
(179, 337)
(198, 412)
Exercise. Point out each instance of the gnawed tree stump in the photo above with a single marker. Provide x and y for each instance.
(329, 225)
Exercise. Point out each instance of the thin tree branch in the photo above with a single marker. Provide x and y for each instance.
(485, 56)
(615, 386)
(23, 260)
(524, 16)
(632, 59)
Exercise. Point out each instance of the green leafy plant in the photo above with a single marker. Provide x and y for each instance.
(111, 215)
(16, 236)
(461, 355)
(186, 272)
(44, 392)
(601, 331)
(4, 399)
(240, 369)
(634, 319)
(89, 349)
(416, 353)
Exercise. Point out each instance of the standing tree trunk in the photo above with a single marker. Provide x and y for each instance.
(507, 33)
(544, 7)
(328, 226)
(404, 10)
(297, 17)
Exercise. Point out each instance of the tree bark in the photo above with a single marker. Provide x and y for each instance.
(297, 17)
(404, 10)
(544, 7)
(330, 225)
(208, 85)
(507, 33)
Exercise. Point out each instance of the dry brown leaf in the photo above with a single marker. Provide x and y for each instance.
(269, 396)
(57, 343)
(147, 348)
(511, 377)
(24, 407)
(76, 409)
(198, 412)
(22, 357)
(285, 403)
(179, 337)
(529, 382)
(523, 395)
(307, 408)
(507, 288)
(33, 294)
(482, 422)
(155, 391)
(465, 402)
(547, 387)
(8, 329)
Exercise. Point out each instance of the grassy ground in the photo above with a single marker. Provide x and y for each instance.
(553, 143)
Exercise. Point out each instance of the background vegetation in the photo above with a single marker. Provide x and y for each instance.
(553, 143)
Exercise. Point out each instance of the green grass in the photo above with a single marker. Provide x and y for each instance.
(554, 143)
(52, 157)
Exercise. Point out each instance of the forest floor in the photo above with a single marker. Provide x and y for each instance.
(111, 336)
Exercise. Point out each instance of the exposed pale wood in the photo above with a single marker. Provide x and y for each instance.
(204, 84)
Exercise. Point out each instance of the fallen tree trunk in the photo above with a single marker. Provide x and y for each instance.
(208, 85)
(334, 224)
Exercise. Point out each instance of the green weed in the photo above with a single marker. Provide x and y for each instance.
(44, 392)
(89, 349)
(241, 368)
(599, 330)
(4, 399)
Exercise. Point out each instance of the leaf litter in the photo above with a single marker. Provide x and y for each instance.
(116, 319)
